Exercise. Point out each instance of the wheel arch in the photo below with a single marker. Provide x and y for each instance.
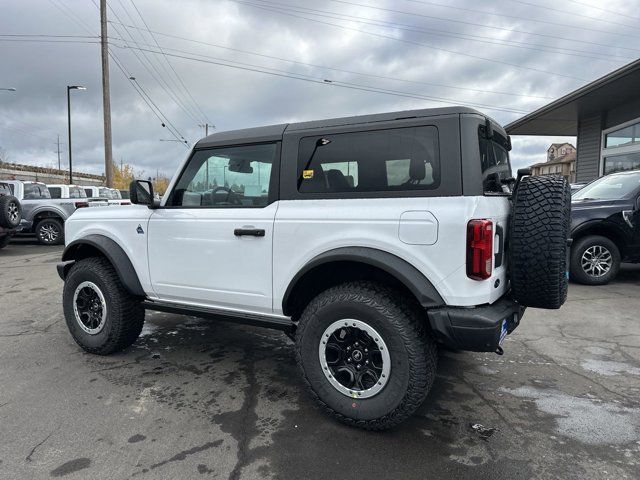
(42, 214)
(343, 264)
(101, 246)
(603, 229)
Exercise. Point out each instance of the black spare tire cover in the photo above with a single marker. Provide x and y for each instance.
(538, 249)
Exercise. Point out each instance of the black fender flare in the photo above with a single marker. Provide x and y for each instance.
(112, 251)
(603, 225)
(403, 271)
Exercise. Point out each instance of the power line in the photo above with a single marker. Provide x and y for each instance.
(351, 72)
(193, 101)
(546, 7)
(517, 1)
(276, 5)
(318, 80)
(412, 42)
(606, 10)
(465, 36)
(158, 77)
(76, 19)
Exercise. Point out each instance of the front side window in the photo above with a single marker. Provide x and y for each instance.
(105, 193)
(56, 192)
(237, 176)
(34, 191)
(89, 192)
(373, 161)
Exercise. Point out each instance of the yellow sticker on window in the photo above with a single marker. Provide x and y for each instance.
(307, 174)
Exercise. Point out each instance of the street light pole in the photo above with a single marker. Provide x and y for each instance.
(69, 88)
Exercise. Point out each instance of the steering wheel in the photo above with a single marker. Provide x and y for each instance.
(232, 197)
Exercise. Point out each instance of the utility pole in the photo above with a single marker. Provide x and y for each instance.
(106, 100)
(206, 128)
(58, 143)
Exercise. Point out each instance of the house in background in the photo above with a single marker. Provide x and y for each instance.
(561, 160)
(604, 115)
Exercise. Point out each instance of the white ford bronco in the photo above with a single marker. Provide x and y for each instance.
(368, 240)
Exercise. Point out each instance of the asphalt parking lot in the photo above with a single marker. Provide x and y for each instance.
(199, 399)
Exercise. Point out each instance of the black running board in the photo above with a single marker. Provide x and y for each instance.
(257, 320)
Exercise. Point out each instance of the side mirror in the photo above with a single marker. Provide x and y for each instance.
(141, 192)
(637, 207)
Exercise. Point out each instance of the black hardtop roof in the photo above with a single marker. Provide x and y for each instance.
(271, 132)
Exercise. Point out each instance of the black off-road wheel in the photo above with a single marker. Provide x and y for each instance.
(50, 231)
(101, 315)
(366, 355)
(538, 238)
(595, 260)
(10, 211)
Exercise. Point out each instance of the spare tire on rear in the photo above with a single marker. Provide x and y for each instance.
(538, 250)
(10, 211)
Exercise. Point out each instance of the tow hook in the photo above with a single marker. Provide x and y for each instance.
(499, 350)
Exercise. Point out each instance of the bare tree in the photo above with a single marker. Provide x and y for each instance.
(4, 156)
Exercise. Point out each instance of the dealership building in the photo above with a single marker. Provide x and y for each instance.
(604, 116)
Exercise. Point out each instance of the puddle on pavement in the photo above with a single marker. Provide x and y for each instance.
(588, 421)
(609, 368)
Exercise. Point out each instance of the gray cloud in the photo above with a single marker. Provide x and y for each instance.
(231, 98)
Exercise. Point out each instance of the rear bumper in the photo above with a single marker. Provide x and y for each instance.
(476, 329)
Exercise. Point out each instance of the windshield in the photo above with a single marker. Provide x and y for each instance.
(33, 191)
(106, 193)
(611, 187)
(494, 161)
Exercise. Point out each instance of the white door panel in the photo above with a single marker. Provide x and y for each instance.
(195, 257)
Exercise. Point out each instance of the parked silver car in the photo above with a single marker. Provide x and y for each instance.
(42, 215)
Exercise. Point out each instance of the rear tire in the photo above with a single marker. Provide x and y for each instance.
(50, 231)
(380, 401)
(538, 252)
(117, 319)
(10, 211)
(595, 260)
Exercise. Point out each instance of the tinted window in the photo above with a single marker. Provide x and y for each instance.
(56, 192)
(88, 192)
(374, 161)
(494, 161)
(124, 194)
(34, 191)
(226, 177)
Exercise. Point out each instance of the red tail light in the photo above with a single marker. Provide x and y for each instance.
(82, 204)
(479, 249)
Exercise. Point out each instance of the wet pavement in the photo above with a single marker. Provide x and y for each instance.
(200, 399)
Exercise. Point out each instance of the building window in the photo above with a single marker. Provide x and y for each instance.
(621, 148)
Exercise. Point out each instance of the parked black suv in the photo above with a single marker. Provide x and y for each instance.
(10, 214)
(605, 227)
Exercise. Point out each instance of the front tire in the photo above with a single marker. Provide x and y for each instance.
(50, 231)
(101, 315)
(382, 331)
(595, 260)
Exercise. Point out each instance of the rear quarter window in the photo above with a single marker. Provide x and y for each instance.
(398, 159)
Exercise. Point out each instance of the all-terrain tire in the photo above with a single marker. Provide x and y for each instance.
(401, 324)
(125, 314)
(10, 211)
(607, 247)
(50, 231)
(538, 237)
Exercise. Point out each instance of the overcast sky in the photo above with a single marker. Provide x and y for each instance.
(504, 57)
